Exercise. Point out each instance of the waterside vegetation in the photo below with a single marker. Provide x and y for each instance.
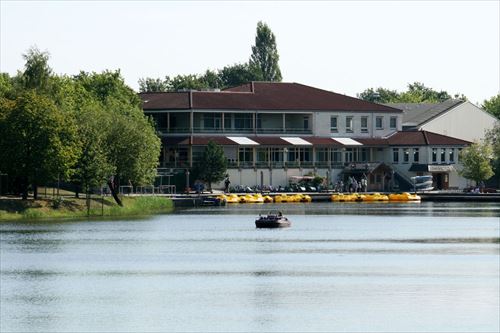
(71, 207)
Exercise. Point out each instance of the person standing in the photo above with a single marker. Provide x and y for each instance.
(227, 182)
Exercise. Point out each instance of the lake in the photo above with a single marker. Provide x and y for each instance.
(340, 267)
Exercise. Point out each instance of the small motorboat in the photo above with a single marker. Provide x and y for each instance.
(272, 220)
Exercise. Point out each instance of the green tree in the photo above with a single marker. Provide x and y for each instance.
(213, 165)
(493, 139)
(492, 105)
(237, 74)
(38, 143)
(37, 71)
(132, 146)
(265, 55)
(149, 84)
(476, 162)
(416, 93)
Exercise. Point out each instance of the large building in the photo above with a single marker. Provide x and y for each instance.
(456, 118)
(273, 131)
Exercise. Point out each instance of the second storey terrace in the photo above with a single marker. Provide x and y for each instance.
(269, 108)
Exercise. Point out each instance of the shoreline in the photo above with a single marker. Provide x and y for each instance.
(12, 209)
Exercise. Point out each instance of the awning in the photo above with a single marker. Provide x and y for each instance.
(242, 140)
(431, 168)
(348, 141)
(296, 141)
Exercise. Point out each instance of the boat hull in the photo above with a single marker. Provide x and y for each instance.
(265, 222)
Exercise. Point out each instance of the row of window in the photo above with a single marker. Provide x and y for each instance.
(349, 123)
(438, 155)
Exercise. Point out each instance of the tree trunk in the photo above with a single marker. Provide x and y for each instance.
(24, 188)
(112, 188)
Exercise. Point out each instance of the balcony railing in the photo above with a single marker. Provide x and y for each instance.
(174, 130)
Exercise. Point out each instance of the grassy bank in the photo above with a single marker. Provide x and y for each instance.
(15, 209)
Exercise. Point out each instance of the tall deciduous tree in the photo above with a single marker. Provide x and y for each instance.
(492, 105)
(476, 162)
(213, 165)
(37, 71)
(38, 141)
(265, 55)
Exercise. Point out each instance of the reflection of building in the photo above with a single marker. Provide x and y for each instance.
(272, 131)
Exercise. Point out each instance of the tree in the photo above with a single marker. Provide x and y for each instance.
(476, 162)
(416, 93)
(38, 143)
(265, 56)
(132, 146)
(213, 165)
(492, 105)
(37, 71)
(153, 85)
(237, 74)
(493, 138)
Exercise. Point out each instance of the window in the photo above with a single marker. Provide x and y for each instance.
(393, 122)
(336, 156)
(277, 156)
(348, 124)
(406, 155)
(262, 156)
(333, 124)
(451, 155)
(365, 155)
(243, 121)
(364, 124)
(245, 156)
(349, 155)
(443, 155)
(227, 120)
(321, 155)
(395, 155)
(434, 155)
(212, 120)
(379, 123)
(416, 156)
(306, 123)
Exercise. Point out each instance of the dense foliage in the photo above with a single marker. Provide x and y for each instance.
(492, 106)
(417, 93)
(476, 160)
(264, 58)
(88, 129)
(213, 165)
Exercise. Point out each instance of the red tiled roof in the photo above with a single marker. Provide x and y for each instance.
(262, 96)
(423, 138)
(372, 141)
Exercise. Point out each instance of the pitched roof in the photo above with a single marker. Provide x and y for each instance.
(423, 138)
(261, 96)
(416, 114)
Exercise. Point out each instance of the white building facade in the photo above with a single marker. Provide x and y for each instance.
(271, 132)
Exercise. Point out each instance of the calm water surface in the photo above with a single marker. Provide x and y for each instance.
(340, 267)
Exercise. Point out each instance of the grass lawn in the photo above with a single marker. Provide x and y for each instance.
(68, 207)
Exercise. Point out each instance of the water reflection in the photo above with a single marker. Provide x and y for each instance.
(338, 268)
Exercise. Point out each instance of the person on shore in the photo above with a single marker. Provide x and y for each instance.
(354, 185)
(227, 182)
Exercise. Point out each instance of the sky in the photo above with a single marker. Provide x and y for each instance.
(341, 46)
